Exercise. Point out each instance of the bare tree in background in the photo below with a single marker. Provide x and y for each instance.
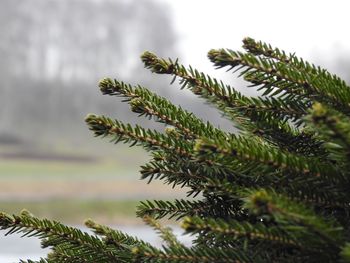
(53, 52)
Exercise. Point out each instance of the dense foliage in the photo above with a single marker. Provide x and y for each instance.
(278, 191)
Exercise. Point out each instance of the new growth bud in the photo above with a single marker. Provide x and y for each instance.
(156, 64)
(26, 213)
(170, 130)
(100, 125)
(198, 145)
(90, 117)
(186, 224)
(252, 46)
(258, 202)
(106, 85)
(136, 105)
(220, 58)
(89, 223)
(318, 112)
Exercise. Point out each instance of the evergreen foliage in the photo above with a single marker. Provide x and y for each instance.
(278, 191)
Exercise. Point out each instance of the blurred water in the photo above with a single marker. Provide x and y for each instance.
(13, 247)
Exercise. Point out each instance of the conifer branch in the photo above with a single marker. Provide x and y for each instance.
(144, 102)
(259, 153)
(260, 48)
(172, 173)
(277, 192)
(234, 230)
(286, 212)
(334, 128)
(150, 139)
(252, 114)
(81, 243)
(198, 254)
(210, 206)
(224, 96)
(41, 260)
(266, 70)
(298, 82)
(198, 175)
(165, 233)
(115, 237)
(345, 253)
(177, 209)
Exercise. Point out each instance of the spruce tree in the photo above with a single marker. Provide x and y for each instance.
(277, 191)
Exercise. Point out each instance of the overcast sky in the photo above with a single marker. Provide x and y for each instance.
(309, 28)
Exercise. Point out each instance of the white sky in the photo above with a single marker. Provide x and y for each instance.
(309, 28)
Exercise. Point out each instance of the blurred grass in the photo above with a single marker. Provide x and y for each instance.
(27, 167)
(77, 211)
(104, 187)
(62, 162)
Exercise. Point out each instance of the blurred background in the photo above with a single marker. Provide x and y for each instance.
(52, 55)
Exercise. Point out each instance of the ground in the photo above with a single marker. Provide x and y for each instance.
(73, 187)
